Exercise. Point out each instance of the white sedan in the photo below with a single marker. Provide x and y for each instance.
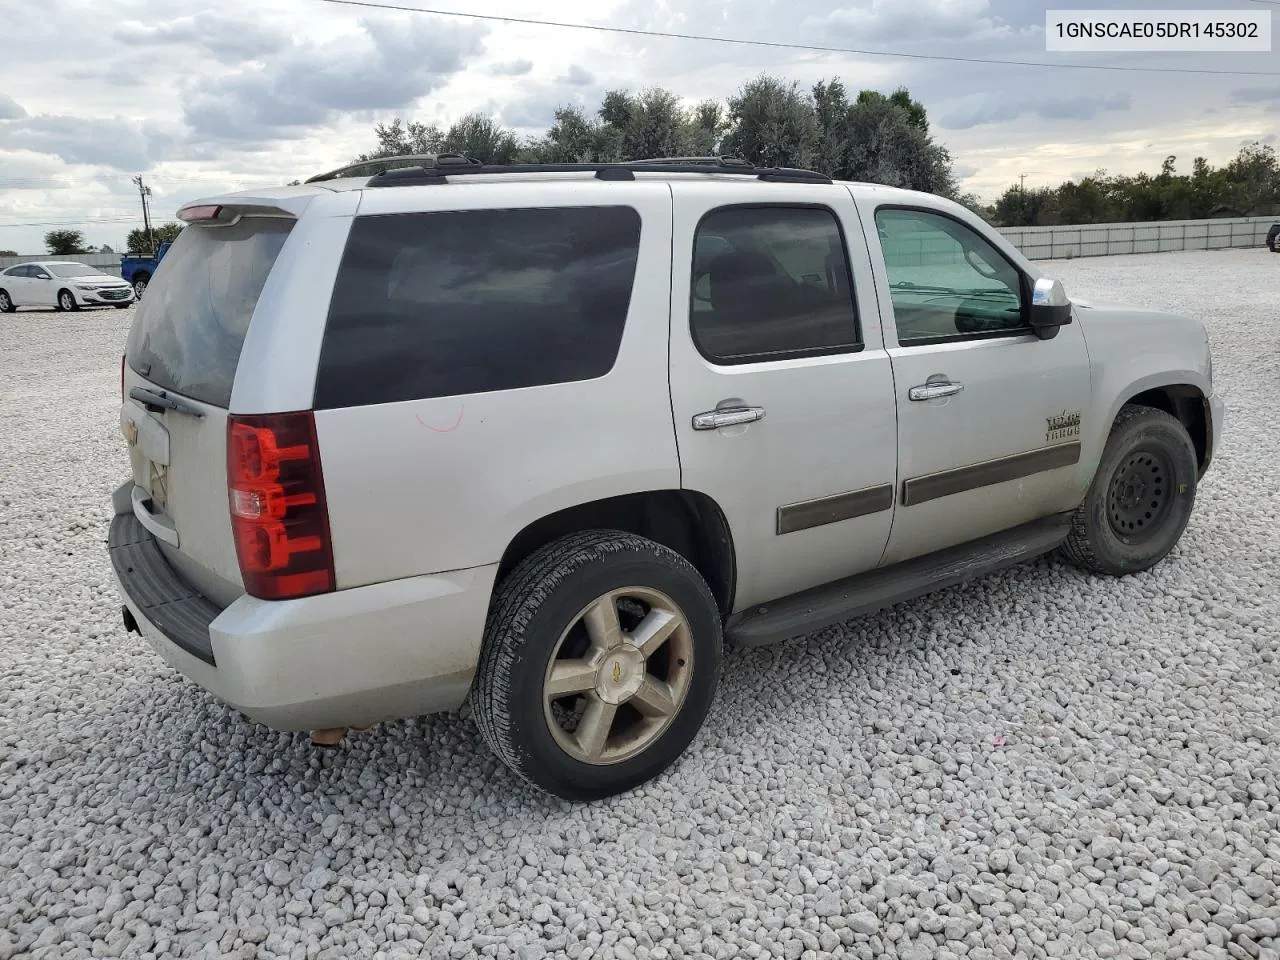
(62, 284)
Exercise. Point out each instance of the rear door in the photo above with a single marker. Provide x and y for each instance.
(181, 360)
(15, 281)
(780, 384)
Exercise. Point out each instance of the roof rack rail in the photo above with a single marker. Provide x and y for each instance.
(379, 165)
(454, 166)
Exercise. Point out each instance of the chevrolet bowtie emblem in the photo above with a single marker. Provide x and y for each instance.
(617, 671)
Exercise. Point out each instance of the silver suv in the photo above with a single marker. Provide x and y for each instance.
(544, 436)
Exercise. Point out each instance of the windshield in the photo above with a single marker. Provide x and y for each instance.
(191, 325)
(68, 270)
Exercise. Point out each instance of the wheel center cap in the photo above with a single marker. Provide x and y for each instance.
(621, 674)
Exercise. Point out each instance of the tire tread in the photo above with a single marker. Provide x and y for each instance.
(516, 601)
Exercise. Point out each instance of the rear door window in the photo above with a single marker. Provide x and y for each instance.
(459, 302)
(770, 283)
(191, 325)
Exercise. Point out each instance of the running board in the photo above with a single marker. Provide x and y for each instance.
(865, 593)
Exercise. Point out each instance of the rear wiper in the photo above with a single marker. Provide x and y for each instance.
(155, 401)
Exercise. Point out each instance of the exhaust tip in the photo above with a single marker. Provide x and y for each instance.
(130, 624)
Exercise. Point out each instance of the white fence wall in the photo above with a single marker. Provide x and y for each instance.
(103, 261)
(1109, 239)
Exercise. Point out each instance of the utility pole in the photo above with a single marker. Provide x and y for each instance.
(144, 192)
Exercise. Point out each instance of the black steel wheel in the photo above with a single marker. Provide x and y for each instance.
(1141, 497)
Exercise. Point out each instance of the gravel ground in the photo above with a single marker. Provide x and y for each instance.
(1039, 764)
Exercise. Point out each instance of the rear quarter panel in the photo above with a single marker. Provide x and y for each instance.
(425, 486)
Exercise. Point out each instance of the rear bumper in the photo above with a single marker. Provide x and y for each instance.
(349, 658)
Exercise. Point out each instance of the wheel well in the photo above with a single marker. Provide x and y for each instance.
(1186, 403)
(690, 523)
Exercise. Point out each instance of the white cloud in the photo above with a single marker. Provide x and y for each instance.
(229, 39)
(10, 109)
(990, 110)
(385, 65)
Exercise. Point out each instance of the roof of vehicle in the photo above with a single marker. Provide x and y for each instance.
(293, 198)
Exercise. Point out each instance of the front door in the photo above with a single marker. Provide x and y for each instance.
(989, 415)
(783, 399)
(41, 290)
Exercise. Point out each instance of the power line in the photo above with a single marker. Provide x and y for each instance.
(636, 32)
(72, 223)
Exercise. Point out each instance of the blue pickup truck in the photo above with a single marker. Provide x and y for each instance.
(138, 270)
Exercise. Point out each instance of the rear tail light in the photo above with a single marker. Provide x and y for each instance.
(278, 513)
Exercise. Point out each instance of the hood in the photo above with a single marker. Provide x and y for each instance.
(100, 281)
(1120, 311)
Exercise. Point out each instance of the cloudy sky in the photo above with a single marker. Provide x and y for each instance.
(201, 99)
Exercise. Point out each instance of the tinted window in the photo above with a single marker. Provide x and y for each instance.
(440, 304)
(771, 282)
(39, 273)
(945, 279)
(16, 272)
(191, 325)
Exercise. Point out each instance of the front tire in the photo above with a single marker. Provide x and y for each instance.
(601, 657)
(67, 301)
(140, 286)
(1141, 497)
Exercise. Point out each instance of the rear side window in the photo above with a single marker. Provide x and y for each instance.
(771, 283)
(440, 304)
(192, 322)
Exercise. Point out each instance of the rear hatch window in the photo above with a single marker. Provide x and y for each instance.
(192, 321)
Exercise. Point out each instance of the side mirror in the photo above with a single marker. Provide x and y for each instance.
(1050, 308)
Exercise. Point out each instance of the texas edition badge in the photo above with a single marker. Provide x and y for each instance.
(1062, 427)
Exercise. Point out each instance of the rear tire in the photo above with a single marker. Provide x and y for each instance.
(572, 619)
(67, 301)
(1141, 497)
(6, 302)
(140, 286)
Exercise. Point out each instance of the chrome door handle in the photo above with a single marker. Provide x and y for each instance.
(935, 389)
(727, 417)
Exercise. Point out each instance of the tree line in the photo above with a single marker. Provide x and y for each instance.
(1249, 185)
(768, 122)
(68, 243)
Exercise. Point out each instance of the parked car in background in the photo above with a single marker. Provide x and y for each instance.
(61, 284)
(138, 271)
(1273, 238)
(544, 437)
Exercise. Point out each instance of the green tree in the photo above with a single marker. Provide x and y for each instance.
(63, 243)
(772, 123)
(136, 243)
(481, 138)
(8, 253)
